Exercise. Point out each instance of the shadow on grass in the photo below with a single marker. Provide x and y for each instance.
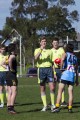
(62, 110)
(76, 103)
(71, 113)
(24, 104)
(25, 111)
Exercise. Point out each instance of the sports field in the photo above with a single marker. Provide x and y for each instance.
(28, 104)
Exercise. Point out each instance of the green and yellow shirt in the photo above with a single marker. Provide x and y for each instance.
(45, 58)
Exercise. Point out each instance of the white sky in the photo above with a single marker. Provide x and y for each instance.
(5, 12)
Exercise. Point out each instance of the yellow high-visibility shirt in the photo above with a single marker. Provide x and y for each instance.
(45, 58)
(2, 58)
(57, 53)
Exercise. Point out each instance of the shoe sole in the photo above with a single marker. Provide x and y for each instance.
(55, 111)
(43, 110)
(12, 112)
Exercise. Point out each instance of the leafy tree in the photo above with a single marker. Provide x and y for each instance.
(33, 18)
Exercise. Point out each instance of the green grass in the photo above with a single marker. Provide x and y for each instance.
(28, 104)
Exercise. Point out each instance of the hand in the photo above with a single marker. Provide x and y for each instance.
(76, 83)
(41, 47)
(55, 77)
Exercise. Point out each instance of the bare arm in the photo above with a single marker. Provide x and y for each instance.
(76, 71)
(62, 60)
(38, 54)
(10, 61)
(3, 64)
(55, 77)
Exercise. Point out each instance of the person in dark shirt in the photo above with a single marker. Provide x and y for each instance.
(12, 81)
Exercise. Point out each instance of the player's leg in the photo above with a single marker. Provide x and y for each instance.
(1, 96)
(12, 91)
(60, 89)
(43, 97)
(70, 92)
(2, 77)
(13, 98)
(52, 90)
(51, 81)
(58, 73)
(6, 89)
(3, 85)
(63, 103)
(9, 98)
(42, 81)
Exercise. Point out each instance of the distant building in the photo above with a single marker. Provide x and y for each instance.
(76, 42)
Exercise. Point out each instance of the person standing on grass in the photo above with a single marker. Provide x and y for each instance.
(57, 55)
(69, 63)
(3, 70)
(46, 70)
(11, 79)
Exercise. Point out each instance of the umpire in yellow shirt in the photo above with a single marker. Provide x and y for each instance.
(45, 66)
(57, 55)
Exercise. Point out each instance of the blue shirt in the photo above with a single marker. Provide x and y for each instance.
(69, 65)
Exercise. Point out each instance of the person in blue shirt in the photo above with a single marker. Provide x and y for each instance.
(70, 66)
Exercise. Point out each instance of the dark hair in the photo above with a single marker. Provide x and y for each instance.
(69, 48)
(55, 39)
(11, 48)
(41, 38)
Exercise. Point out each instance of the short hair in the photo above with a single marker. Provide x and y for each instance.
(41, 38)
(55, 39)
(11, 48)
(69, 48)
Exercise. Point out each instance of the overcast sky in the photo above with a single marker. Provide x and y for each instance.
(5, 12)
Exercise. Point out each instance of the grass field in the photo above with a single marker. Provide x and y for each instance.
(28, 104)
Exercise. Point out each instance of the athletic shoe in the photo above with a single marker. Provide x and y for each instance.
(44, 109)
(12, 111)
(64, 104)
(70, 111)
(2, 105)
(52, 107)
(55, 110)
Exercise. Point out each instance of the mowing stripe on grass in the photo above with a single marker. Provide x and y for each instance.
(21, 86)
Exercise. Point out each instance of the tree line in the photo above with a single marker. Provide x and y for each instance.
(34, 18)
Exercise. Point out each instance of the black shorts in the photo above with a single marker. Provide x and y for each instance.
(11, 79)
(67, 82)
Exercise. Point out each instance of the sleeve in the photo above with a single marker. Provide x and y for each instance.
(36, 51)
(62, 50)
(51, 56)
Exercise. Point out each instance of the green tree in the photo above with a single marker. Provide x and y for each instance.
(33, 18)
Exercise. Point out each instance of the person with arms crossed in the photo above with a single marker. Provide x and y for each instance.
(69, 63)
(57, 55)
(45, 66)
